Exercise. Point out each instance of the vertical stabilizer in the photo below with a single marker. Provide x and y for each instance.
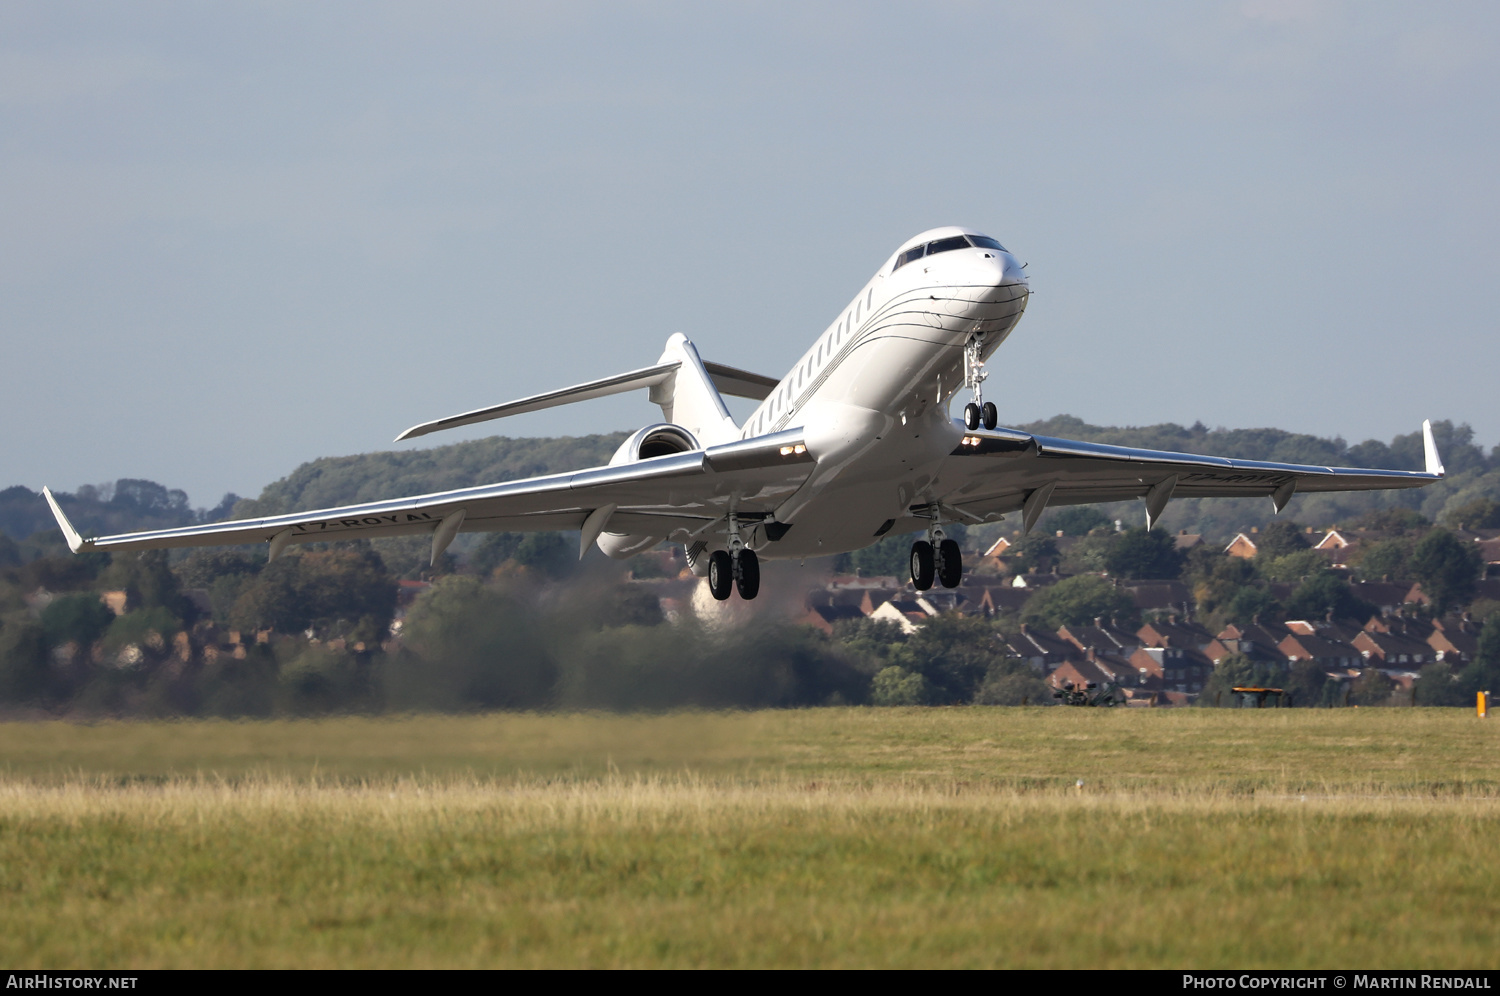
(688, 396)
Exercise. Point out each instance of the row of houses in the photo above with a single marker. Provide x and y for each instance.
(1183, 653)
(852, 597)
(1343, 546)
(1169, 660)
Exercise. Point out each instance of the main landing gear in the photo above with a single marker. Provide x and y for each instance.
(936, 557)
(737, 567)
(740, 570)
(977, 415)
(978, 411)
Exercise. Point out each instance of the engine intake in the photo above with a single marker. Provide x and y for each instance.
(662, 439)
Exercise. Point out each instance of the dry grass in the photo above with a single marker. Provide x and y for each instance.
(814, 838)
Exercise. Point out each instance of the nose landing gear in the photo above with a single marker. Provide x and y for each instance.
(979, 411)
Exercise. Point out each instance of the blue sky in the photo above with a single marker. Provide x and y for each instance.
(234, 237)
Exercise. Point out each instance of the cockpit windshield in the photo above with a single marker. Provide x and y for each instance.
(946, 245)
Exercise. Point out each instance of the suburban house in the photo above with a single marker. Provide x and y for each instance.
(1243, 544)
(1174, 632)
(1177, 669)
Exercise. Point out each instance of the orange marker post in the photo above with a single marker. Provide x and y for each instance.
(1483, 705)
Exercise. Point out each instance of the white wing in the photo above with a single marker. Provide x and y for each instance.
(1003, 470)
(654, 497)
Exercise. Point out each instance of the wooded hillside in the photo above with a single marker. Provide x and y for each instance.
(344, 480)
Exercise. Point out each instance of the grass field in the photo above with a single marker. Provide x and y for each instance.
(838, 837)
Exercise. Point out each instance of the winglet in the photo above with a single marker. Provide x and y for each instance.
(1429, 445)
(75, 541)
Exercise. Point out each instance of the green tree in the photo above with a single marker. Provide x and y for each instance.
(953, 653)
(138, 627)
(492, 551)
(344, 592)
(1385, 558)
(1279, 539)
(1216, 578)
(1036, 550)
(201, 568)
(869, 639)
(1483, 673)
(23, 661)
(1372, 688)
(1437, 685)
(148, 581)
(1090, 554)
(896, 686)
(1448, 569)
(1077, 520)
(1292, 567)
(1481, 513)
(1397, 521)
(318, 679)
(1306, 684)
(472, 646)
(549, 554)
(1249, 604)
(1078, 601)
(1327, 593)
(1239, 671)
(1138, 553)
(80, 619)
(890, 556)
(63, 572)
(1013, 684)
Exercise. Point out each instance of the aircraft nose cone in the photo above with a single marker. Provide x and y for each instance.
(1011, 272)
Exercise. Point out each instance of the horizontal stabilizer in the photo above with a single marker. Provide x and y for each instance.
(618, 384)
(740, 383)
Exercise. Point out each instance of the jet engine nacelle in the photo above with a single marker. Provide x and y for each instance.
(662, 439)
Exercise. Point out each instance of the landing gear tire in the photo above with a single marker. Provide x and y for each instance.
(720, 574)
(950, 564)
(972, 415)
(747, 574)
(921, 565)
(989, 415)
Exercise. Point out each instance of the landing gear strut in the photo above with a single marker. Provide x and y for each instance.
(936, 558)
(978, 411)
(736, 567)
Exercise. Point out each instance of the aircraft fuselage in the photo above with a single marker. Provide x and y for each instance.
(873, 391)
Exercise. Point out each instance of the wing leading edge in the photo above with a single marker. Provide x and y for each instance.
(653, 497)
(1005, 470)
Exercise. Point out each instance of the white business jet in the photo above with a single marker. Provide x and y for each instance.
(855, 443)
